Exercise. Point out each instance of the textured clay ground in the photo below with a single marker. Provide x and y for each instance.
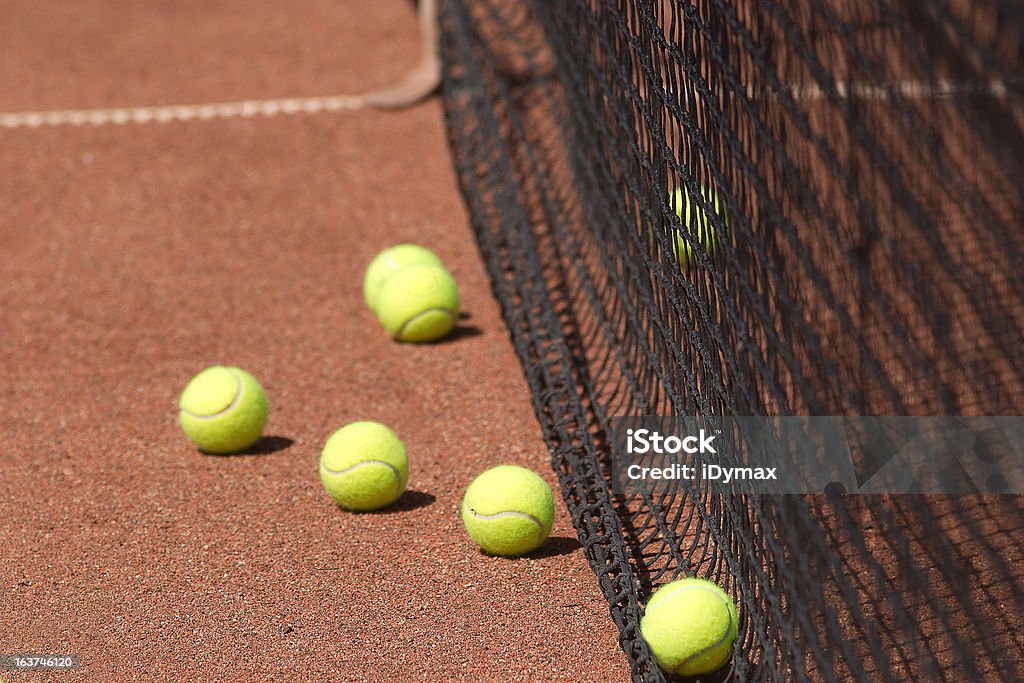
(135, 255)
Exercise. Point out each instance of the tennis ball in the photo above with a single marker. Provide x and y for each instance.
(363, 466)
(702, 226)
(223, 410)
(418, 303)
(389, 261)
(690, 625)
(508, 510)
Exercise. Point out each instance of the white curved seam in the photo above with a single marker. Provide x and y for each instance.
(398, 475)
(401, 330)
(510, 513)
(227, 409)
(712, 646)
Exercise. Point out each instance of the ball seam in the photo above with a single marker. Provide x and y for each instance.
(227, 409)
(395, 470)
(510, 513)
(401, 330)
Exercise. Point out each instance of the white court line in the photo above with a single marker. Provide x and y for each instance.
(338, 103)
(181, 112)
(909, 89)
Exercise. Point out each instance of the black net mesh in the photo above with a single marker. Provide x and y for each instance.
(852, 170)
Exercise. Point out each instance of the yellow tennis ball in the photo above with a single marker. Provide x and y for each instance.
(389, 261)
(690, 626)
(418, 303)
(508, 510)
(223, 410)
(697, 223)
(364, 466)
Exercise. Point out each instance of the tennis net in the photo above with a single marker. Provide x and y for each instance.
(856, 168)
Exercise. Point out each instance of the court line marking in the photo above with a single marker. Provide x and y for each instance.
(909, 89)
(419, 83)
(339, 103)
(181, 112)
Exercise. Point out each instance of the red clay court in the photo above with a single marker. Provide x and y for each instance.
(135, 255)
(780, 211)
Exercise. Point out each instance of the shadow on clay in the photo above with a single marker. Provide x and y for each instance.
(461, 331)
(410, 500)
(555, 546)
(265, 446)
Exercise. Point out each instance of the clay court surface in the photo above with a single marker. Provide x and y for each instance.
(136, 255)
